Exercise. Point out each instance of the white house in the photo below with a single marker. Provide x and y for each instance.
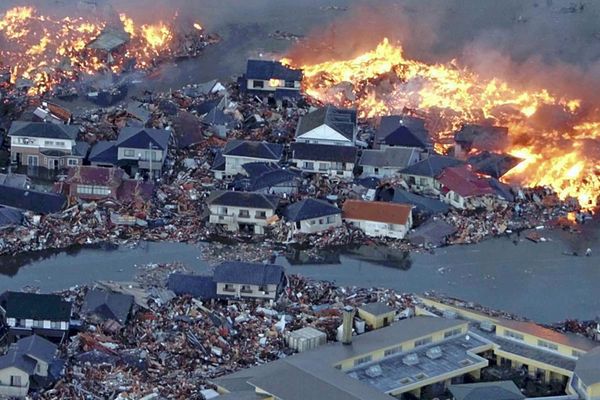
(237, 153)
(312, 216)
(237, 211)
(328, 125)
(272, 77)
(379, 219)
(334, 161)
(387, 162)
(44, 144)
(249, 280)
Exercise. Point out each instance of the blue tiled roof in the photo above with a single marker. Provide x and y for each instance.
(10, 216)
(253, 149)
(140, 138)
(308, 209)
(198, 286)
(248, 273)
(265, 70)
(423, 204)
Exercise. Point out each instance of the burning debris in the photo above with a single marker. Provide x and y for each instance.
(42, 53)
(383, 82)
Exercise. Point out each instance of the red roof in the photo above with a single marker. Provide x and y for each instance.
(464, 182)
(379, 211)
(91, 175)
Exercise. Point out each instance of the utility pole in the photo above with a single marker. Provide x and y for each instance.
(150, 159)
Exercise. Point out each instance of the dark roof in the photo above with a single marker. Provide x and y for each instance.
(482, 137)
(390, 157)
(587, 367)
(273, 178)
(107, 305)
(308, 209)
(36, 346)
(135, 189)
(10, 216)
(339, 119)
(81, 149)
(265, 70)
(253, 149)
(432, 166)
(199, 286)
(43, 130)
(34, 306)
(323, 152)
(493, 164)
(38, 202)
(104, 152)
(219, 162)
(256, 169)
(140, 138)
(17, 360)
(503, 390)
(248, 273)
(465, 182)
(403, 130)
(432, 232)
(427, 205)
(242, 199)
(377, 308)
(216, 116)
(91, 175)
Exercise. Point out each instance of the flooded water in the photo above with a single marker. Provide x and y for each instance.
(535, 280)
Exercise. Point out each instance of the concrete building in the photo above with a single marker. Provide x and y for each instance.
(377, 315)
(237, 153)
(249, 280)
(328, 125)
(46, 145)
(333, 161)
(312, 216)
(379, 219)
(271, 77)
(237, 211)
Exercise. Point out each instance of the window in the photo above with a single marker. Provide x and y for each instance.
(376, 170)
(222, 210)
(15, 380)
(309, 165)
(228, 288)
(423, 342)
(55, 325)
(362, 360)
(423, 181)
(129, 153)
(548, 345)
(456, 197)
(263, 289)
(420, 376)
(331, 219)
(453, 332)
(393, 350)
(85, 189)
(101, 190)
(72, 161)
(258, 84)
(322, 166)
(321, 221)
(48, 143)
(261, 215)
(290, 84)
(246, 289)
(514, 335)
(155, 156)
(32, 161)
(244, 214)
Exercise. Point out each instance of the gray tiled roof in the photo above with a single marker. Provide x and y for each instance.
(141, 138)
(199, 286)
(17, 360)
(588, 367)
(308, 209)
(242, 199)
(107, 305)
(503, 390)
(253, 149)
(248, 273)
(341, 120)
(392, 157)
(376, 308)
(323, 152)
(266, 69)
(403, 130)
(36, 346)
(43, 130)
(431, 166)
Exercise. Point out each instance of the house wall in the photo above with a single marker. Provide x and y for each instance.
(324, 135)
(282, 188)
(376, 321)
(272, 85)
(249, 291)
(43, 324)
(231, 219)
(531, 340)
(98, 191)
(233, 164)
(315, 225)
(5, 380)
(130, 153)
(42, 143)
(381, 229)
(385, 172)
(340, 170)
(593, 392)
(421, 183)
(454, 199)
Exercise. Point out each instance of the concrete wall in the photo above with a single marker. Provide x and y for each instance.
(532, 340)
(454, 199)
(376, 321)
(157, 155)
(422, 183)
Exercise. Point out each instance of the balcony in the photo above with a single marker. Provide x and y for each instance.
(223, 218)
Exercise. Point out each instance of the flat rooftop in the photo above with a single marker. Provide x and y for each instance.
(395, 374)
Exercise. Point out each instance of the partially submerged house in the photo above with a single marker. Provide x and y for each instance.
(31, 200)
(312, 216)
(387, 162)
(27, 364)
(333, 161)
(249, 280)
(432, 233)
(462, 188)
(421, 177)
(202, 287)
(264, 77)
(240, 152)
(328, 125)
(403, 131)
(379, 219)
(423, 205)
(26, 314)
(100, 305)
(47, 145)
(237, 211)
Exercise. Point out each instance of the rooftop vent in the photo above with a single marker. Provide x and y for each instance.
(420, 376)
(374, 371)
(434, 352)
(406, 381)
(449, 314)
(487, 326)
(411, 359)
(465, 362)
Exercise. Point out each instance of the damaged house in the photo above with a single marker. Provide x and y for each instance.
(333, 161)
(421, 177)
(387, 162)
(379, 219)
(268, 178)
(239, 152)
(462, 188)
(403, 131)
(312, 216)
(328, 125)
(249, 280)
(46, 145)
(237, 211)
(264, 77)
(101, 305)
(481, 138)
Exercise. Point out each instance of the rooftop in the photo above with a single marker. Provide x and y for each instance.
(308, 209)
(115, 306)
(242, 199)
(90, 175)
(465, 182)
(341, 120)
(503, 390)
(38, 307)
(404, 131)
(431, 166)
(248, 273)
(377, 308)
(199, 286)
(141, 138)
(31, 200)
(265, 70)
(323, 152)
(391, 157)
(253, 149)
(43, 130)
(378, 211)
(588, 367)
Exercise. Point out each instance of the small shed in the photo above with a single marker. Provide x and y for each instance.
(377, 315)
(306, 338)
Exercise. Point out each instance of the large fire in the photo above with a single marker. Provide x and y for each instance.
(383, 82)
(47, 51)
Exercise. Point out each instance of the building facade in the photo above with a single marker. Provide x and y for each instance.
(333, 161)
(236, 211)
(379, 219)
